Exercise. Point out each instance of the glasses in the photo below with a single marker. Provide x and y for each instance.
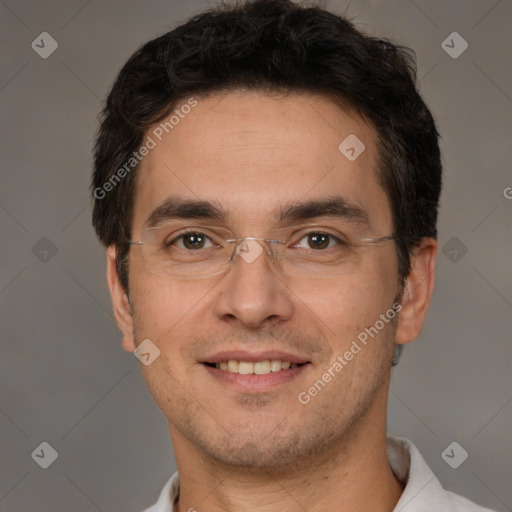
(193, 252)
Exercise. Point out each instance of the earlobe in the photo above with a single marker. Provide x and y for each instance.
(417, 292)
(121, 304)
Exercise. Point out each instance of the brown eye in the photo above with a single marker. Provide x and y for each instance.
(194, 241)
(317, 241)
(191, 241)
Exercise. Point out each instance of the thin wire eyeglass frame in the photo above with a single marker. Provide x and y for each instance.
(271, 253)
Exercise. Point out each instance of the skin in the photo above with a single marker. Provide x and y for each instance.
(252, 153)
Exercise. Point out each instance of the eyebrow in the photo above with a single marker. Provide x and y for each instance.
(181, 208)
(337, 207)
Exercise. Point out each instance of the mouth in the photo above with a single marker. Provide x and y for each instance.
(254, 372)
(264, 367)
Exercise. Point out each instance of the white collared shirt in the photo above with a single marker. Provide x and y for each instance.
(423, 491)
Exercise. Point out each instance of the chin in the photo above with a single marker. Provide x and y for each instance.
(256, 455)
(261, 447)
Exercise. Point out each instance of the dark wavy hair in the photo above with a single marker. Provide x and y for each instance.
(274, 46)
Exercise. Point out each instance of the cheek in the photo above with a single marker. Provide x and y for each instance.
(160, 304)
(343, 306)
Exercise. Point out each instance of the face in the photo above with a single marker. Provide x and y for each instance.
(253, 157)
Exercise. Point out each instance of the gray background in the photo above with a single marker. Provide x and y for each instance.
(64, 378)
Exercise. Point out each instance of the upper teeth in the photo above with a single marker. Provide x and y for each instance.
(258, 368)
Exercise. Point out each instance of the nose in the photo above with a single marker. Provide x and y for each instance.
(252, 293)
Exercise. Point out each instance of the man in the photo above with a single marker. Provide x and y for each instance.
(266, 182)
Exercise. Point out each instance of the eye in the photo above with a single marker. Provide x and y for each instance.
(192, 240)
(317, 240)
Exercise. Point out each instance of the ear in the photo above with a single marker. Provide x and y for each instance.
(417, 291)
(120, 301)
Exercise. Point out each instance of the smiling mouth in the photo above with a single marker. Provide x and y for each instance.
(254, 368)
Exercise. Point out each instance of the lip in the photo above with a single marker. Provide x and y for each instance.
(254, 357)
(255, 383)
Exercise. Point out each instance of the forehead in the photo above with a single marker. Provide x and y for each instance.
(254, 153)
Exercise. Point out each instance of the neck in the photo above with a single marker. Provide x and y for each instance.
(352, 473)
